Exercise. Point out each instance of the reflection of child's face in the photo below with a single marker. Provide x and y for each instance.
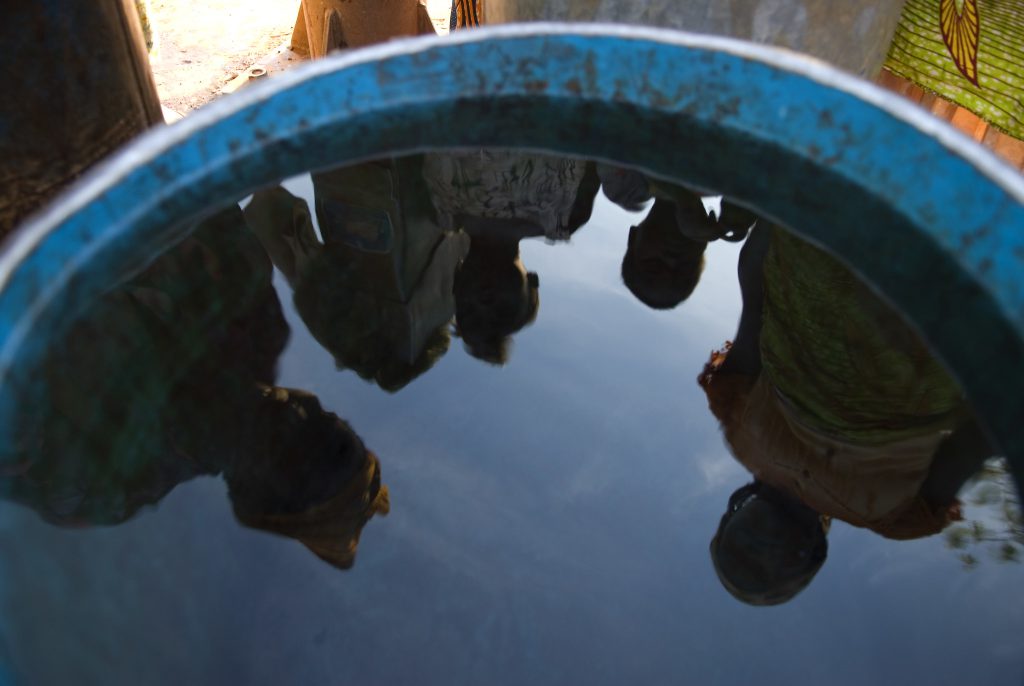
(661, 266)
(493, 287)
(494, 298)
(505, 283)
(662, 250)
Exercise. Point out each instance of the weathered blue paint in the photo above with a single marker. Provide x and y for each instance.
(932, 220)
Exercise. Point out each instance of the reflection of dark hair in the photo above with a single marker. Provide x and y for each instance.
(627, 188)
(303, 457)
(761, 572)
(486, 317)
(352, 326)
(656, 284)
(308, 476)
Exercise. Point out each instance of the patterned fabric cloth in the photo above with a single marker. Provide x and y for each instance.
(142, 7)
(968, 51)
(467, 13)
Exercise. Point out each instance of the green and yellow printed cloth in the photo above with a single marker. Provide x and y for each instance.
(968, 51)
(142, 6)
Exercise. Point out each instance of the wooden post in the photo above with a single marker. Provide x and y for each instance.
(78, 85)
(356, 23)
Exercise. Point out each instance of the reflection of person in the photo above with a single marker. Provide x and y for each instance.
(494, 296)
(377, 294)
(665, 253)
(631, 189)
(498, 198)
(838, 410)
(307, 476)
(662, 266)
(168, 377)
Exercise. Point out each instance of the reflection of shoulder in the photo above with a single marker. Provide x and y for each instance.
(728, 394)
(752, 424)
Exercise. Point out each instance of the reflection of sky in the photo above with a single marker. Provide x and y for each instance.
(550, 523)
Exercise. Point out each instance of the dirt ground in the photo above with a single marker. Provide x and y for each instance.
(204, 44)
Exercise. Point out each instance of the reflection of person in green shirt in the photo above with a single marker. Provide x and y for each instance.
(169, 376)
(838, 410)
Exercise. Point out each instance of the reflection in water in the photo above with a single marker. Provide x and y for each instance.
(170, 376)
(665, 252)
(586, 468)
(838, 410)
(662, 266)
(995, 528)
(828, 399)
(499, 198)
(377, 293)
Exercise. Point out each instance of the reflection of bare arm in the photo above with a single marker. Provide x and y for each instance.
(958, 458)
(745, 355)
(284, 226)
(735, 219)
(731, 221)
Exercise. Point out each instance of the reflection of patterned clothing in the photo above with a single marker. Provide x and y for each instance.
(536, 189)
(872, 486)
(850, 407)
(846, 361)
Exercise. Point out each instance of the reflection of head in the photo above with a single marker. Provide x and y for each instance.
(307, 476)
(364, 333)
(768, 546)
(494, 298)
(661, 266)
(627, 188)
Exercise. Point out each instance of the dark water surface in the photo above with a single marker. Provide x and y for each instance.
(549, 518)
